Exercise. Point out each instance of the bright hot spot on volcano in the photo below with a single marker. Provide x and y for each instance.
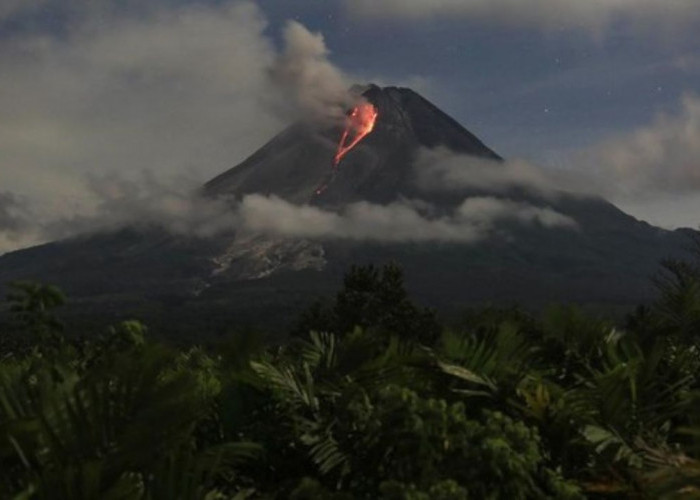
(360, 123)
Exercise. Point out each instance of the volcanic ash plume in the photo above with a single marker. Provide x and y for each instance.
(314, 89)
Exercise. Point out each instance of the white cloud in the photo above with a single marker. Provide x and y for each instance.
(13, 212)
(148, 201)
(15, 221)
(661, 158)
(652, 172)
(485, 210)
(178, 208)
(474, 220)
(441, 169)
(594, 15)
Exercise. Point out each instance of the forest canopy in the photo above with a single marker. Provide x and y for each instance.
(370, 397)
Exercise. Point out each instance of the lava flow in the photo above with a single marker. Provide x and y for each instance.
(360, 122)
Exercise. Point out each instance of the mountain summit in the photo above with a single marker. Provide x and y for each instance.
(253, 278)
(300, 159)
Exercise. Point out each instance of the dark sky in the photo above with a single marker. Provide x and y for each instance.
(173, 88)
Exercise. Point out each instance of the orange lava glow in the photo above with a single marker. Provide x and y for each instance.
(360, 123)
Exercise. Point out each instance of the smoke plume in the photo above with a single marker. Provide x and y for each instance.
(314, 89)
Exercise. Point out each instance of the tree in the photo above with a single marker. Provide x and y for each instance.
(32, 307)
(372, 299)
(678, 307)
(120, 418)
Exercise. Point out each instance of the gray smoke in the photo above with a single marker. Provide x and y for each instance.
(312, 88)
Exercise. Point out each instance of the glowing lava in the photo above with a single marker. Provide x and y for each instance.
(360, 123)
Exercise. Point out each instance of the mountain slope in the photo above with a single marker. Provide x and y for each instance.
(298, 160)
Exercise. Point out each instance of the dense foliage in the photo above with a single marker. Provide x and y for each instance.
(369, 399)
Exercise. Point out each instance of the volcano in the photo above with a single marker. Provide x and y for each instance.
(376, 170)
(247, 278)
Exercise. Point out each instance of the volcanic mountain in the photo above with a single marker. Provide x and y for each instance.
(245, 277)
(296, 162)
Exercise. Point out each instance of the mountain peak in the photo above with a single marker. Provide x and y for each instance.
(432, 127)
(298, 164)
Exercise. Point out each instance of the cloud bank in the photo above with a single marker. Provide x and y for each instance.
(661, 158)
(472, 221)
(15, 221)
(150, 203)
(173, 205)
(442, 170)
(652, 172)
(182, 212)
(13, 213)
(592, 15)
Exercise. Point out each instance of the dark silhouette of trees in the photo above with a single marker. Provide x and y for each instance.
(372, 298)
(32, 308)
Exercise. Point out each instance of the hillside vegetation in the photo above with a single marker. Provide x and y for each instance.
(370, 398)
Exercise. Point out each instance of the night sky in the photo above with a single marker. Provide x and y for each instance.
(95, 90)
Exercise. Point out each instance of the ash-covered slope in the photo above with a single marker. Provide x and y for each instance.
(251, 278)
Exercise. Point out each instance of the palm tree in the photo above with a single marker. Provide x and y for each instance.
(122, 419)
